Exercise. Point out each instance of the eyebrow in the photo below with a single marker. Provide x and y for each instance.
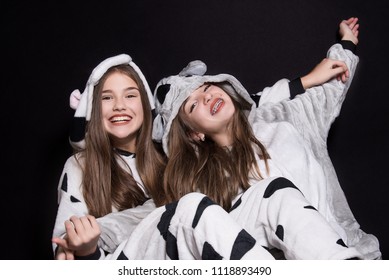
(129, 88)
(132, 88)
(206, 87)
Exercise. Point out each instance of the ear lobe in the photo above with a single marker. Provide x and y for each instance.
(197, 136)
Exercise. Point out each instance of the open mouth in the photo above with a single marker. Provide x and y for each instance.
(217, 105)
(120, 119)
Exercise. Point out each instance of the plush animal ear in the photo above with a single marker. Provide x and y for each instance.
(74, 99)
(194, 68)
(162, 90)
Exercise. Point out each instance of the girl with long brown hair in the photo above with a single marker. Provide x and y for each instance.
(116, 177)
(115, 166)
(221, 144)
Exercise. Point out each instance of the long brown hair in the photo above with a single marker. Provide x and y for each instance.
(216, 171)
(106, 178)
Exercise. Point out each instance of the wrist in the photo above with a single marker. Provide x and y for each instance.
(306, 82)
(353, 39)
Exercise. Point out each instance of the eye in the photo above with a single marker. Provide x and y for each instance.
(106, 97)
(132, 93)
(192, 106)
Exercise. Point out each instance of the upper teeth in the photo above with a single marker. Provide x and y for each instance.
(118, 119)
(216, 106)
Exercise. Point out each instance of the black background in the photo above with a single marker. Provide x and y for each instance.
(50, 48)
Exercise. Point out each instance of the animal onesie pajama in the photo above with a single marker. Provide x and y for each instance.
(197, 228)
(295, 135)
(70, 197)
(114, 231)
(274, 211)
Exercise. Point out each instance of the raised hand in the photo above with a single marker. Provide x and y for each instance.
(349, 30)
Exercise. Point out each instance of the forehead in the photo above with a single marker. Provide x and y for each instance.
(194, 94)
(199, 89)
(202, 88)
(116, 79)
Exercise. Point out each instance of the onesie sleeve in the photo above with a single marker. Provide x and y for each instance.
(322, 104)
(70, 199)
(285, 89)
(116, 227)
(276, 93)
(313, 112)
(296, 87)
(97, 255)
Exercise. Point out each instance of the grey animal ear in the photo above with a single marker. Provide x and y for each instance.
(194, 68)
(162, 90)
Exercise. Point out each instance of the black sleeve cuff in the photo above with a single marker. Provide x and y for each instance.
(348, 45)
(295, 87)
(94, 256)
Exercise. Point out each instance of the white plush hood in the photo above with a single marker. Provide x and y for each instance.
(82, 102)
(171, 92)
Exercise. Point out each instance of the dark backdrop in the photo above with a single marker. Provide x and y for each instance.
(50, 48)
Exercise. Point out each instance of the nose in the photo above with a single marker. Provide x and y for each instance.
(207, 97)
(118, 105)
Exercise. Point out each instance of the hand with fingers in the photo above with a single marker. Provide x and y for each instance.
(325, 71)
(63, 254)
(82, 235)
(349, 30)
(330, 68)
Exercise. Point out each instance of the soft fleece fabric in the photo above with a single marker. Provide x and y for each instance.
(275, 214)
(70, 198)
(291, 130)
(294, 132)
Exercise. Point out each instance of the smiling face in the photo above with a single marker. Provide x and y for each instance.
(209, 111)
(122, 110)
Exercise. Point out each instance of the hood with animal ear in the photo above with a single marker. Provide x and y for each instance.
(171, 92)
(82, 102)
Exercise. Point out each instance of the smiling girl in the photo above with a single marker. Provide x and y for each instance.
(267, 165)
(116, 166)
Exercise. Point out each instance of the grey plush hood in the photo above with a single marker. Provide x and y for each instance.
(171, 92)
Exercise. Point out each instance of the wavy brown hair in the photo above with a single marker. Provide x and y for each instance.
(206, 167)
(106, 178)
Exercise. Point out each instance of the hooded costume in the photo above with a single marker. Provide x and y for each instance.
(147, 232)
(82, 102)
(272, 213)
(70, 198)
(192, 228)
(294, 133)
